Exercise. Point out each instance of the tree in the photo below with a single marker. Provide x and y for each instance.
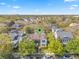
(28, 29)
(73, 46)
(4, 29)
(50, 36)
(5, 46)
(26, 47)
(54, 46)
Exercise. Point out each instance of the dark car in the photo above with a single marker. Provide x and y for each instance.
(67, 57)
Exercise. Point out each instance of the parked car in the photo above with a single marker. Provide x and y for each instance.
(67, 57)
(48, 57)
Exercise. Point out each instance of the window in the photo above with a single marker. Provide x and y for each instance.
(43, 41)
(65, 39)
(43, 45)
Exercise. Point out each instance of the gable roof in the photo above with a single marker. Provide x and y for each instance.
(36, 36)
(66, 34)
(15, 33)
(62, 34)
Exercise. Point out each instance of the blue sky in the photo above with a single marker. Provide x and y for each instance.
(39, 7)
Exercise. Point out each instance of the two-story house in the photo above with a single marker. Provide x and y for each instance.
(65, 36)
(39, 37)
(16, 37)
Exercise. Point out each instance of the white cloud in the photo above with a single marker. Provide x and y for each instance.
(70, 0)
(16, 7)
(73, 7)
(2, 3)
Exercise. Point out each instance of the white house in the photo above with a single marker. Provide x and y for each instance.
(57, 32)
(65, 36)
(54, 28)
(43, 42)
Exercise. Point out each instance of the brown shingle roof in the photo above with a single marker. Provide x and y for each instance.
(37, 36)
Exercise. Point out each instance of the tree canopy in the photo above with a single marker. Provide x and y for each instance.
(54, 46)
(28, 29)
(73, 46)
(26, 47)
(5, 45)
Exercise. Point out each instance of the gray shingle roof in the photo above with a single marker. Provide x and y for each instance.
(59, 33)
(15, 33)
(65, 34)
(16, 36)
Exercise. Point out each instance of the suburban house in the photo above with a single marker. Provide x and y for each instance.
(27, 19)
(16, 37)
(10, 23)
(20, 21)
(40, 40)
(14, 25)
(3, 24)
(74, 25)
(65, 36)
(54, 28)
(39, 37)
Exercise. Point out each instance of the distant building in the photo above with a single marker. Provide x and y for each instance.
(74, 25)
(11, 23)
(3, 24)
(27, 19)
(16, 26)
(20, 21)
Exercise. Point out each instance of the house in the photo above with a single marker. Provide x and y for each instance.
(74, 25)
(16, 37)
(3, 24)
(16, 26)
(65, 36)
(11, 23)
(59, 33)
(54, 27)
(27, 19)
(20, 21)
(40, 40)
(43, 42)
